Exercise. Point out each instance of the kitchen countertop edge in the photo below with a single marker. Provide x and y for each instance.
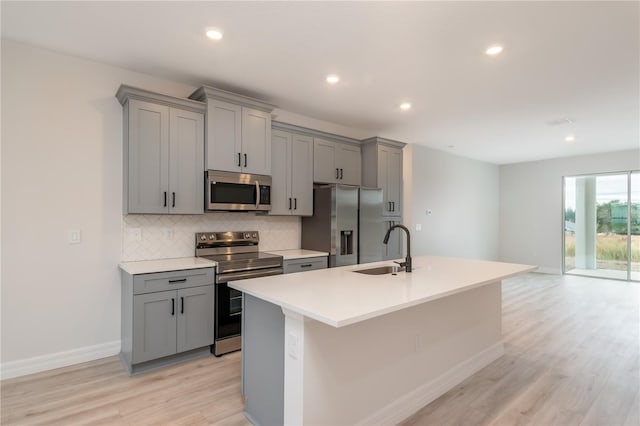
(166, 265)
(293, 254)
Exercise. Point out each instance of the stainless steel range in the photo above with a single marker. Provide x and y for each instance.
(238, 258)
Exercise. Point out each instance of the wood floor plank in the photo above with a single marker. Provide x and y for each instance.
(572, 357)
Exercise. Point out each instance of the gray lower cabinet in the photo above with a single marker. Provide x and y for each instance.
(292, 174)
(163, 153)
(166, 317)
(393, 249)
(154, 326)
(306, 264)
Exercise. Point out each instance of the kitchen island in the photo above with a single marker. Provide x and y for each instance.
(340, 347)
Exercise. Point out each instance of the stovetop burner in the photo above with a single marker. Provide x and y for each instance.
(235, 251)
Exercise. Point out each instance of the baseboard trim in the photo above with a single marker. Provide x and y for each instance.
(547, 270)
(59, 359)
(402, 408)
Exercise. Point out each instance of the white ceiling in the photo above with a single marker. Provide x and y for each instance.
(577, 60)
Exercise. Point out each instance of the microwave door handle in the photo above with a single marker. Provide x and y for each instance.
(257, 195)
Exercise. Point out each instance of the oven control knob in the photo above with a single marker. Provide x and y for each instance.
(247, 235)
(212, 236)
(255, 235)
(203, 237)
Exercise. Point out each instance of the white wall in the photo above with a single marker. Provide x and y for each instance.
(462, 195)
(531, 220)
(62, 169)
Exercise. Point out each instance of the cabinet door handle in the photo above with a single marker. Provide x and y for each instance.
(295, 204)
(165, 198)
(182, 305)
(306, 265)
(289, 203)
(183, 280)
(173, 307)
(341, 176)
(393, 206)
(173, 202)
(337, 173)
(239, 157)
(389, 202)
(245, 160)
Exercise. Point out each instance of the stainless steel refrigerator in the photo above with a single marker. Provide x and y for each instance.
(347, 222)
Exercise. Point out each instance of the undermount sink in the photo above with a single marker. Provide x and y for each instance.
(380, 270)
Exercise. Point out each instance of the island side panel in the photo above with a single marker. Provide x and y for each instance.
(263, 361)
(382, 370)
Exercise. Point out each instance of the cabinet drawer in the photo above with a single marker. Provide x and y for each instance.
(308, 264)
(174, 280)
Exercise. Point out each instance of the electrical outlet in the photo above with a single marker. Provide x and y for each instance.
(74, 236)
(135, 234)
(167, 233)
(292, 345)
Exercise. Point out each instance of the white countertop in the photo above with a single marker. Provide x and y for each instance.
(340, 297)
(299, 253)
(165, 265)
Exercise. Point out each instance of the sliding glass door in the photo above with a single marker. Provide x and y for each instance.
(634, 225)
(602, 225)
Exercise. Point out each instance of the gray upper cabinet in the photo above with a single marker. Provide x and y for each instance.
(224, 136)
(163, 153)
(382, 168)
(336, 162)
(292, 174)
(238, 131)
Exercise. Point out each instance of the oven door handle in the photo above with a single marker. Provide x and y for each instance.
(257, 195)
(234, 276)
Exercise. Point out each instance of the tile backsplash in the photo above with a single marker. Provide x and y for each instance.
(169, 236)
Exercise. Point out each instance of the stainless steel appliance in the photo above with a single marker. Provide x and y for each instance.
(231, 191)
(238, 258)
(347, 223)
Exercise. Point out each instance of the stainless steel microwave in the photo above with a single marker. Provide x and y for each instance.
(231, 191)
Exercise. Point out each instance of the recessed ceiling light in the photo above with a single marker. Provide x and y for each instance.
(405, 106)
(570, 138)
(494, 50)
(214, 34)
(332, 79)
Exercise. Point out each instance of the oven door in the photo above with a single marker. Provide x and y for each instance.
(229, 191)
(228, 312)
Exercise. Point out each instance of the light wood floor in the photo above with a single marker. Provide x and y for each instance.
(572, 358)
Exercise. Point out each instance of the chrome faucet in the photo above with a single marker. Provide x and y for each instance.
(407, 261)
